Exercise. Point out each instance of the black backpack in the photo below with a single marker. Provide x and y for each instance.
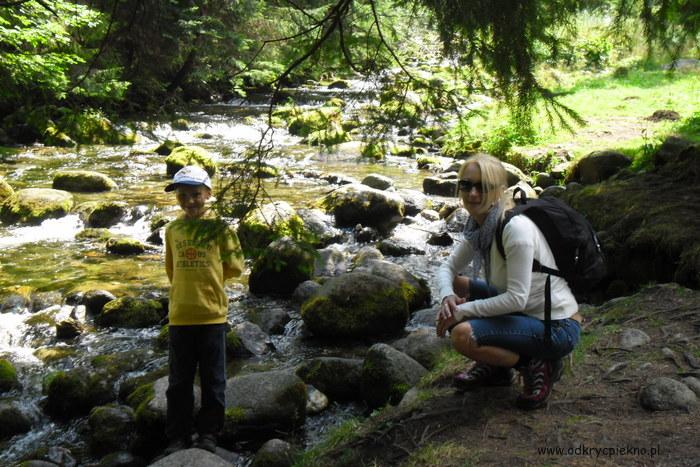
(573, 242)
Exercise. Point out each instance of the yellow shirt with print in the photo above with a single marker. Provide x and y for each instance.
(197, 268)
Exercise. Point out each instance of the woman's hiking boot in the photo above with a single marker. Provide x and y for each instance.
(557, 369)
(537, 384)
(207, 442)
(178, 444)
(482, 374)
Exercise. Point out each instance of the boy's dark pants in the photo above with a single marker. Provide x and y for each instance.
(189, 345)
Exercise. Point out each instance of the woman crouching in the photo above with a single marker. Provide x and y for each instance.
(498, 323)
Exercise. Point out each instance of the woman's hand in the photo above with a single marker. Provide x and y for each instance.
(446, 314)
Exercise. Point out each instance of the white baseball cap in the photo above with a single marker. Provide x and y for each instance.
(190, 175)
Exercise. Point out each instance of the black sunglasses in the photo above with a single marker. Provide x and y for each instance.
(467, 185)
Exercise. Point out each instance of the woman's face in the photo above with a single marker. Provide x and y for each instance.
(471, 191)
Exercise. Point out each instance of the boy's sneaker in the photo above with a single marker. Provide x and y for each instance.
(482, 374)
(537, 382)
(177, 444)
(207, 442)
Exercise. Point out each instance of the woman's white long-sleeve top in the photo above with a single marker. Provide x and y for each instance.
(520, 290)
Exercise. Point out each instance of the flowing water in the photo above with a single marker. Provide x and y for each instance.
(48, 257)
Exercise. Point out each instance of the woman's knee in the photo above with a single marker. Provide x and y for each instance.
(460, 285)
(462, 337)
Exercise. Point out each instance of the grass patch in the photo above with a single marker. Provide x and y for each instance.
(344, 432)
(448, 363)
(449, 454)
(587, 341)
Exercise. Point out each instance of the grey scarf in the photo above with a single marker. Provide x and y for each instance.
(480, 238)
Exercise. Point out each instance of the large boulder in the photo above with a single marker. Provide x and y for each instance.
(387, 374)
(14, 419)
(191, 457)
(34, 205)
(261, 404)
(356, 305)
(247, 340)
(598, 166)
(124, 246)
(441, 185)
(648, 224)
(338, 378)
(360, 204)
(378, 181)
(83, 181)
(181, 156)
(262, 225)
(414, 201)
(667, 394)
(319, 227)
(281, 267)
(423, 345)
(415, 290)
(95, 300)
(111, 429)
(131, 312)
(102, 214)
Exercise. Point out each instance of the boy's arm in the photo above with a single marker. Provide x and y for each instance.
(168, 257)
(232, 255)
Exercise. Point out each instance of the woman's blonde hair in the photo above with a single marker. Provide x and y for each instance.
(493, 177)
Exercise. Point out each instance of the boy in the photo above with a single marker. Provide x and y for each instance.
(198, 258)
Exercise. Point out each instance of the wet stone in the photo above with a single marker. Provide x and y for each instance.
(316, 401)
(68, 329)
(693, 383)
(274, 453)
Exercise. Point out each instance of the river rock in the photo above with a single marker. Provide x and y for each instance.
(120, 459)
(387, 374)
(544, 180)
(281, 267)
(181, 156)
(365, 234)
(42, 300)
(34, 205)
(68, 329)
(514, 175)
(271, 320)
(131, 312)
(14, 303)
(338, 378)
(8, 376)
(262, 225)
(423, 345)
(414, 201)
(398, 247)
(316, 401)
(247, 340)
(274, 453)
(191, 457)
(356, 305)
(423, 318)
(305, 291)
(631, 338)
(456, 221)
(415, 289)
(73, 393)
(366, 254)
(338, 179)
(444, 184)
(112, 428)
(262, 403)
(14, 419)
(377, 181)
(320, 226)
(125, 246)
(331, 261)
(667, 394)
(693, 383)
(555, 191)
(82, 181)
(95, 300)
(353, 204)
(442, 238)
(5, 190)
(104, 214)
(598, 166)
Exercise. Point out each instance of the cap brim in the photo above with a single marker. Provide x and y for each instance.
(171, 187)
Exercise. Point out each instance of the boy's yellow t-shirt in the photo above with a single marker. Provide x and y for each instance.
(197, 272)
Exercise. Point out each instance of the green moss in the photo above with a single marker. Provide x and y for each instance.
(166, 147)
(43, 317)
(33, 205)
(5, 190)
(254, 168)
(236, 414)
(130, 312)
(328, 137)
(163, 339)
(8, 376)
(94, 234)
(125, 246)
(82, 181)
(305, 123)
(425, 162)
(49, 355)
(373, 150)
(189, 155)
(261, 226)
(140, 397)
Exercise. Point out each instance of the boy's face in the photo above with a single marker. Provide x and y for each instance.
(192, 199)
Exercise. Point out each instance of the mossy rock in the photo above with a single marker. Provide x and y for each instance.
(180, 124)
(8, 376)
(359, 204)
(131, 312)
(387, 374)
(403, 150)
(82, 181)
(339, 84)
(189, 155)
(166, 147)
(254, 168)
(305, 123)
(102, 214)
(73, 393)
(50, 355)
(125, 246)
(331, 136)
(34, 205)
(91, 127)
(94, 234)
(55, 137)
(356, 305)
(648, 224)
(163, 339)
(334, 102)
(112, 429)
(373, 150)
(281, 267)
(337, 378)
(14, 419)
(262, 225)
(5, 190)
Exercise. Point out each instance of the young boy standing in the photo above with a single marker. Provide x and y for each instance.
(199, 255)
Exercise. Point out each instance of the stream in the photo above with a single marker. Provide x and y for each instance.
(48, 257)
